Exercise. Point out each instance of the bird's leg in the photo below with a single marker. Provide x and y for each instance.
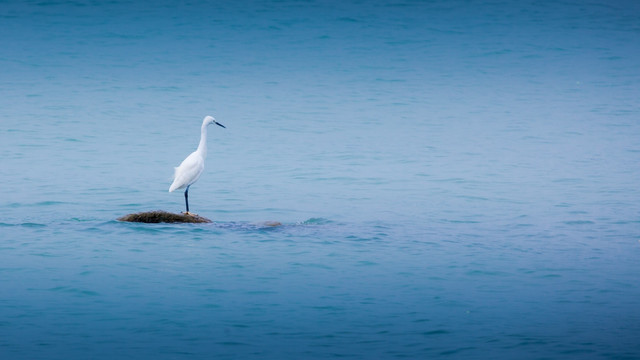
(186, 202)
(186, 199)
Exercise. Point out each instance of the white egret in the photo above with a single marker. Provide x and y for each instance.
(191, 168)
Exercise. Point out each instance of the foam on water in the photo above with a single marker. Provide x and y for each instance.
(453, 180)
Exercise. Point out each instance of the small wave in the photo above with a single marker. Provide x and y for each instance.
(41, 203)
(33, 225)
(316, 221)
(579, 222)
(73, 290)
(49, 203)
(461, 221)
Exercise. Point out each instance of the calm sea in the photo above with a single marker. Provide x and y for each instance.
(455, 179)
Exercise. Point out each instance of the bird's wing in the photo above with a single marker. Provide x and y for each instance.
(188, 172)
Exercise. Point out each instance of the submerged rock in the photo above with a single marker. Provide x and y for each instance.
(160, 216)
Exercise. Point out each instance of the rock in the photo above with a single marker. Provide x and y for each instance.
(160, 216)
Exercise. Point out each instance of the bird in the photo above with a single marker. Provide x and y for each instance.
(189, 171)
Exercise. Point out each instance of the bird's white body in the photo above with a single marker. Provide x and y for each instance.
(189, 171)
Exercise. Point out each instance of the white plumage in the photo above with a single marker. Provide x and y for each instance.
(189, 171)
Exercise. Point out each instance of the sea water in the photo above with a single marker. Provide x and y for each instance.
(454, 179)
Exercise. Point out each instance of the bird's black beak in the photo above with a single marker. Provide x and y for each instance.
(217, 123)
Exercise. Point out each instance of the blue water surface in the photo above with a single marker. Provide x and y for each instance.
(455, 179)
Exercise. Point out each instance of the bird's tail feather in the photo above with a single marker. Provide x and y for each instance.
(173, 178)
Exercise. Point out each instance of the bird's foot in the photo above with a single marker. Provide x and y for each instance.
(190, 214)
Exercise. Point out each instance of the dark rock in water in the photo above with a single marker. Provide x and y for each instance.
(159, 216)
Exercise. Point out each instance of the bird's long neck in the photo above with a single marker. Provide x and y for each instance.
(202, 147)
